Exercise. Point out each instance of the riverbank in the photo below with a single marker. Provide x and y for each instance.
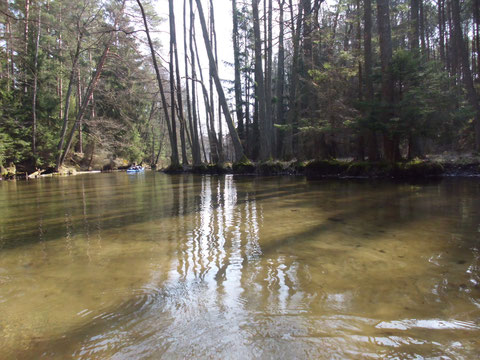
(11, 173)
(434, 166)
(338, 169)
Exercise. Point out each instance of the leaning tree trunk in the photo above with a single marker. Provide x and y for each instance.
(67, 100)
(172, 135)
(212, 139)
(85, 103)
(239, 154)
(89, 93)
(213, 41)
(197, 157)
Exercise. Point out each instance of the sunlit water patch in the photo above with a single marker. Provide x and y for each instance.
(155, 266)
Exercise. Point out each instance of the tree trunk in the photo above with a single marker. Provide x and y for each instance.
(383, 14)
(35, 83)
(160, 145)
(192, 116)
(441, 29)
(212, 138)
(217, 138)
(247, 86)
(213, 41)
(476, 16)
(280, 85)
(79, 102)
(452, 53)
(173, 75)
(414, 25)
(212, 133)
(201, 131)
(306, 89)
(25, 46)
(9, 49)
(467, 74)
(173, 136)
(251, 128)
(85, 102)
(90, 89)
(390, 140)
(293, 112)
(239, 154)
(265, 144)
(422, 28)
(268, 80)
(67, 100)
(360, 146)
(238, 85)
(59, 76)
(414, 141)
(371, 138)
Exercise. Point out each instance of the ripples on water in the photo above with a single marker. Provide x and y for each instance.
(148, 266)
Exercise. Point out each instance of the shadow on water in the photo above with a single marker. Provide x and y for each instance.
(66, 206)
(110, 206)
(237, 244)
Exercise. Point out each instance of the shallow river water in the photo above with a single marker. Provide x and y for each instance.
(148, 266)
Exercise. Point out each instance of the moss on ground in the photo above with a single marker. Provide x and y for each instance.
(418, 169)
(244, 167)
(272, 167)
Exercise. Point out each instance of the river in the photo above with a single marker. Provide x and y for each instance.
(148, 266)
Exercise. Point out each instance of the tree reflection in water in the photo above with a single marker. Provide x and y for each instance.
(238, 267)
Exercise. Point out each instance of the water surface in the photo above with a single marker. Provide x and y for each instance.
(148, 266)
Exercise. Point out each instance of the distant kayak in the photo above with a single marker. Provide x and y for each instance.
(136, 169)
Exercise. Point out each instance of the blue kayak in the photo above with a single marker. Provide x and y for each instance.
(136, 169)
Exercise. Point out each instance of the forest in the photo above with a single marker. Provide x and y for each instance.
(90, 84)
